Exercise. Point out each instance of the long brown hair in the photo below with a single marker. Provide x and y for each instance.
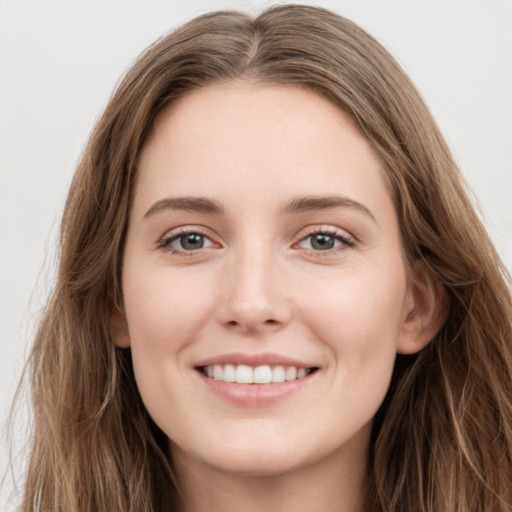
(442, 439)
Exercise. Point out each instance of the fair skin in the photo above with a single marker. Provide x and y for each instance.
(263, 232)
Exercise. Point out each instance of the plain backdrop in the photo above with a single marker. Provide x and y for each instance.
(60, 60)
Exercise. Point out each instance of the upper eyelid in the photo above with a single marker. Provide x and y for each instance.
(301, 234)
(174, 232)
(164, 243)
(325, 228)
(345, 240)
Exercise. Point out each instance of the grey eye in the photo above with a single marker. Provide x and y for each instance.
(190, 241)
(186, 242)
(323, 241)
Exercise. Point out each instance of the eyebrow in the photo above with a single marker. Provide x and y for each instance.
(191, 204)
(310, 203)
(295, 205)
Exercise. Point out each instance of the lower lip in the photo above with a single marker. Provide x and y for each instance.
(254, 395)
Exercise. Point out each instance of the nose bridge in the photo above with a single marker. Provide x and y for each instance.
(253, 296)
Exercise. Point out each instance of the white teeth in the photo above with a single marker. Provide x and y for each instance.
(244, 374)
(229, 373)
(262, 375)
(218, 372)
(291, 373)
(278, 374)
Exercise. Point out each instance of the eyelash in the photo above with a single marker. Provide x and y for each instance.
(346, 242)
(166, 242)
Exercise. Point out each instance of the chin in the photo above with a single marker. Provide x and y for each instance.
(257, 465)
(249, 459)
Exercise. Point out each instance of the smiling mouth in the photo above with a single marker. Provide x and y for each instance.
(264, 374)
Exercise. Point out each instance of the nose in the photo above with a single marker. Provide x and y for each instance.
(253, 298)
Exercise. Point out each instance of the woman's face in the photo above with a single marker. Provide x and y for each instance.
(263, 245)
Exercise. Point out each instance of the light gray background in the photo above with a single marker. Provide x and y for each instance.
(60, 60)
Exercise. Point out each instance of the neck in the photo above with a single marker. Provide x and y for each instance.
(323, 485)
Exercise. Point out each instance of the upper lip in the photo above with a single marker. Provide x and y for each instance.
(254, 360)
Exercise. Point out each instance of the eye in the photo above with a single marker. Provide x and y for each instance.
(325, 241)
(186, 241)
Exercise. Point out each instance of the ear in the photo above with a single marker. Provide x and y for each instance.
(119, 327)
(425, 311)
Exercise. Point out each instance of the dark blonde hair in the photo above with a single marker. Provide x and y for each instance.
(442, 439)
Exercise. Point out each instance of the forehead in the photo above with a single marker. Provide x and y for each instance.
(230, 138)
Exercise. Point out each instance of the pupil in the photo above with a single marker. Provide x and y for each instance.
(322, 242)
(192, 241)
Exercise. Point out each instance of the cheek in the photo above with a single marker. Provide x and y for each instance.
(165, 310)
(165, 314)
(359, 316)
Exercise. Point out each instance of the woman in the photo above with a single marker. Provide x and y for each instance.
(273, 291)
